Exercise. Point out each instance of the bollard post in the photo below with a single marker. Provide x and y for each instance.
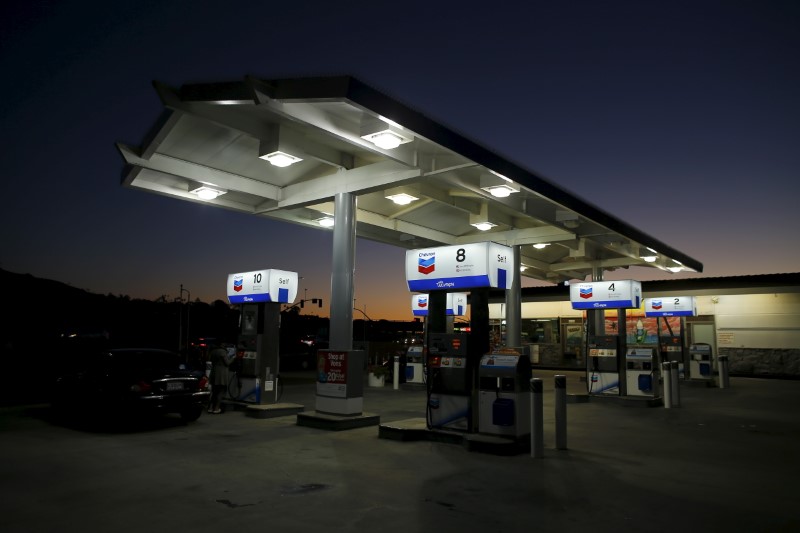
(537, 418)
(396, 379)
(676, 385)
(561, 411)
(666, 372)
(724, 380)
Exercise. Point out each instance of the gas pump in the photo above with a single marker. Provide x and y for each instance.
(672, 350)
(450, 381)
(504, 404)
(260, 294)
(642, 373)
(415, 364)
(244, 371)
(701, 361)
(603, 370)
(255, 370)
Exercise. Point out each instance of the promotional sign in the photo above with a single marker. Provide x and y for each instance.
(456, 304)
(499, 361)
(332, 374)
(670, 306)
(623, 294)
(482, 264)
(262, 286)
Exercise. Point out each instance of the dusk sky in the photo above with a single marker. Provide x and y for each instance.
(681, 118)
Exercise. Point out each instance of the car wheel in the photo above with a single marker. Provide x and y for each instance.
(190, 414)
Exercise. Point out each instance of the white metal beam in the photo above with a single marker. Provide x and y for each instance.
(199, 173)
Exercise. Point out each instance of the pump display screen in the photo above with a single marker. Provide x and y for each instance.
(602, 352)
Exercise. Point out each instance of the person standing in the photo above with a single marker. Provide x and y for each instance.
(220, 361)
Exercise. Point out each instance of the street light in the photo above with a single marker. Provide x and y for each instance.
(364, 330)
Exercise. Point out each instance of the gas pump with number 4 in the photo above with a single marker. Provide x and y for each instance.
(603, 370)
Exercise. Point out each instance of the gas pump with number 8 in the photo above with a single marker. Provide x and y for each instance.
(449, 383)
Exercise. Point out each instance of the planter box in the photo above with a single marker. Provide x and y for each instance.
(375, 381)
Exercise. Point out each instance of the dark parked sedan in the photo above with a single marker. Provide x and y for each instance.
(122, 382)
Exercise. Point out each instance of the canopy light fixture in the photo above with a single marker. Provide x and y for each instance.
(523, 268)
(204, 192)
(484, 220)
(401, 198)
(541, 245)
(498, 185)
(674, 270)
(325, 222)
(385, 139)
(384, 133)
(501, 191)
(649, 258)
(280, 159)
(483, 226)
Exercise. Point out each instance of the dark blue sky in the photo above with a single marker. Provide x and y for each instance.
(682, 118)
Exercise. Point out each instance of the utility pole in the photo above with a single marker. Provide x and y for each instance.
(180, 318)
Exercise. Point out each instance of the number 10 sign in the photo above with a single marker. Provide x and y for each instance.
(262, 286)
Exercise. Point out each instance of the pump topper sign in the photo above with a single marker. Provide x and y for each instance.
(623, 294)
(278, 286)
(456, 304)
(670, 306)
(482, 264)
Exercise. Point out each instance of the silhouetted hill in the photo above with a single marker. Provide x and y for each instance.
(47, 324)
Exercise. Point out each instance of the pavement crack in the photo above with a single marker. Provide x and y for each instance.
(233, 505)
(304, 489)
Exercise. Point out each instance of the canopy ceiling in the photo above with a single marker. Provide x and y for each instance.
(213, 134)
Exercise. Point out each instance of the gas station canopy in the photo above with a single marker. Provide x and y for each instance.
(282, 149)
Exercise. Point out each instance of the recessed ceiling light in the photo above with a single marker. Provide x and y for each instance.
(498, 185)
(501, 191)
(384, 135)
(204, 192)
(401, 198)
(385, 139)
(541, 245)
(326, 222)
(483, 226)
(280, 159)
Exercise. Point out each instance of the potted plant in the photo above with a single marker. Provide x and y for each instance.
(376, 375)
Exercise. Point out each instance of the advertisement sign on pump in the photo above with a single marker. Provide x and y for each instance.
(622, 294)
(456, 304)
(670, 306)
(464, 266)
(262, 286)
(332, 373)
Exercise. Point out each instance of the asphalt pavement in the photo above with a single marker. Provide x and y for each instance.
(726, 460)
